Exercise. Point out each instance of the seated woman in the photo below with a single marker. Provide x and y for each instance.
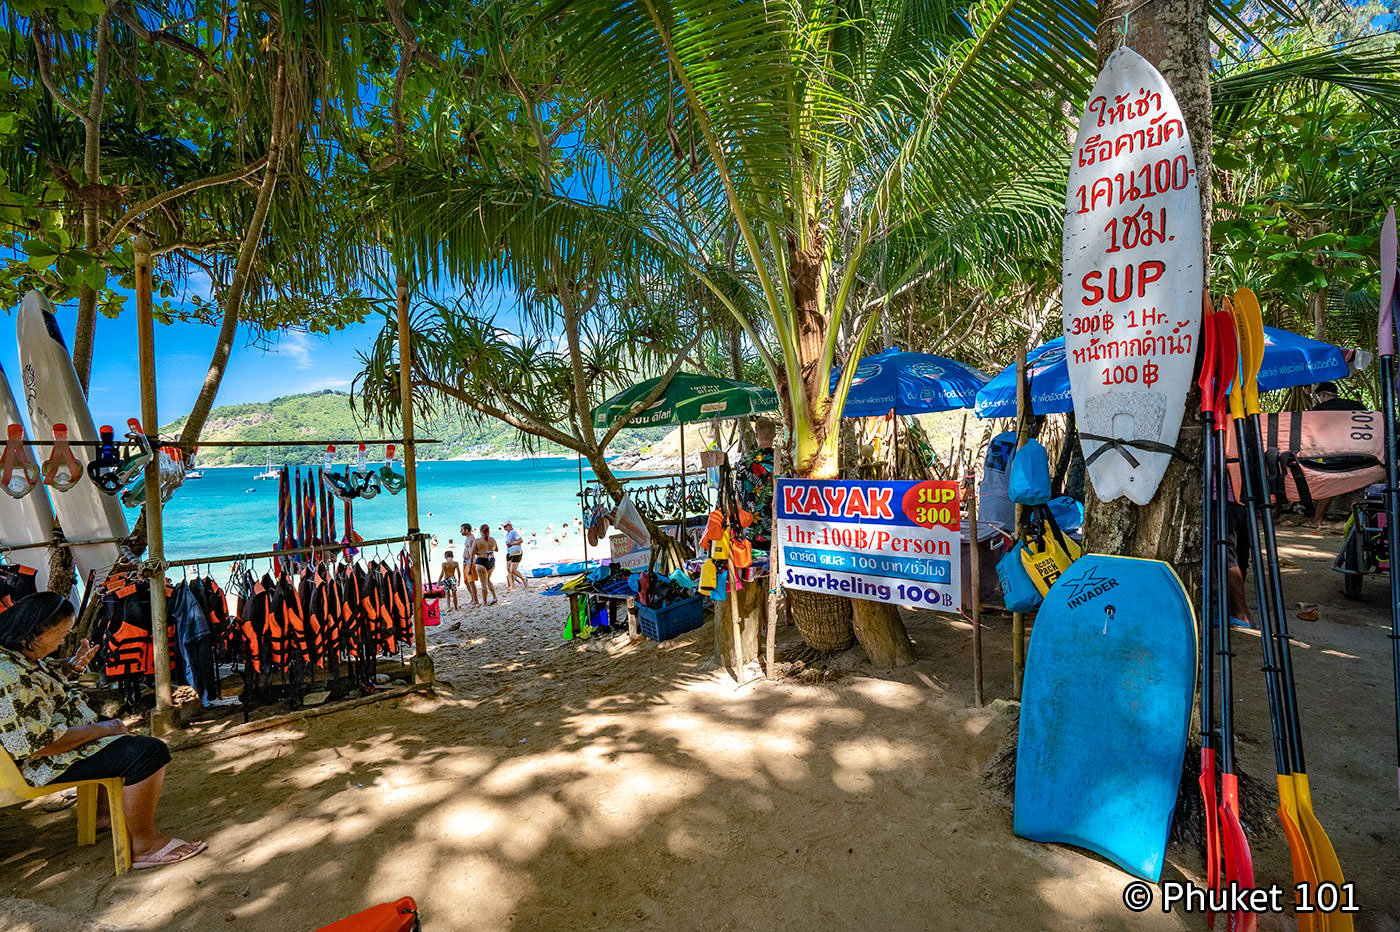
(54, 736)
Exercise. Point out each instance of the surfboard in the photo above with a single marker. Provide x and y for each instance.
(53, 395)
(1105, 711)
(27, 520)
(1133, 270)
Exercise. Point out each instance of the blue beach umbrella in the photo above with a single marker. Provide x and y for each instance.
(1289, 360)
(909, 383)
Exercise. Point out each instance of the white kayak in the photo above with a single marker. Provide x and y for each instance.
(53, 395)
(1133, 273)
(27, 520)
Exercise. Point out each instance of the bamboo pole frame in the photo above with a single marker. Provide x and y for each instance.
(163, 715)
(974, 564)
(421, 666)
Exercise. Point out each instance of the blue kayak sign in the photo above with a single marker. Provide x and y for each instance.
(895, 542)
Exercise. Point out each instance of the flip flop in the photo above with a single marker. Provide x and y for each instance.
(167, 854)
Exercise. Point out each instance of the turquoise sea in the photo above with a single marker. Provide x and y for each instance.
(228, 511)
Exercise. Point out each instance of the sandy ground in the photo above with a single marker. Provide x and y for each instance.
(609, 785)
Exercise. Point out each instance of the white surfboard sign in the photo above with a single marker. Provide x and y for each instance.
(1133, 273)
(54, 396)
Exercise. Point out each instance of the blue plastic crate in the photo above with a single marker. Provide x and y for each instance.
(677, 618)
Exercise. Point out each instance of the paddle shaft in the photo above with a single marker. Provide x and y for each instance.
(1282, 755)
(1209, 582)
(1392, 528)
(1221, 543)
(1282, 652)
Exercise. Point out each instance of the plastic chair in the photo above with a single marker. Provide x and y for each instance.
(14, 789)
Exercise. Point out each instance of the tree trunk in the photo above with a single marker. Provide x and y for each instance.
(243, 270)
(880, 631)
(85, 330)
(1171, 34)
(739, 643)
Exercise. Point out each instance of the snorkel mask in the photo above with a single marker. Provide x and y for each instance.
(341, 485)
(366, 483)
(62, 469)
(134, 465)
(19, 474)
(106, 470)
(391, 480)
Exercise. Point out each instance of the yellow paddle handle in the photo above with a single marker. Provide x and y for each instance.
(1249, 320)
(1236, 393)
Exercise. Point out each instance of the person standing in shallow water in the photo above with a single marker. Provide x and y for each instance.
(485, 559)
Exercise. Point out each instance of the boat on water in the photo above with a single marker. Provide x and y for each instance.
(194, 474)
(269, 472)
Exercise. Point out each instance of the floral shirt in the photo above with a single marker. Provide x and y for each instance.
(37, 706)
(755, 475)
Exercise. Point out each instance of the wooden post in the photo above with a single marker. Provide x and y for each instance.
(163, 715)
(421, 666)
(974, 562)
(685, 535)
(1018, 620)
(774, 587)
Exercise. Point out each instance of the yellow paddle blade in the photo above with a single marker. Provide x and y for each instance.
(1324, 857)
(1249, 319)
(1236, 391)
(1303, 870)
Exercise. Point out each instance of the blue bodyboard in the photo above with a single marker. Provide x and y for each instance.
(1106, 709)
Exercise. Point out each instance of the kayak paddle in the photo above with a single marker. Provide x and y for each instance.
(1390, 297)
(1239, 862)
(1323, 856)
(1251, 352)
(1210, 809)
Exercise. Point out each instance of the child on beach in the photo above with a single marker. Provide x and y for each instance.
(469, 555)
(485, 558)
(448, 577)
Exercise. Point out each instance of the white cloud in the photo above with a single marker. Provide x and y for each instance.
(297, 347)
(323, 384)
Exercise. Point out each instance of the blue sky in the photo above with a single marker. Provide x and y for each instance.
(286, 363)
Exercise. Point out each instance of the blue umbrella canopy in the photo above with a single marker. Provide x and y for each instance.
(909, 383)
(1289, 360)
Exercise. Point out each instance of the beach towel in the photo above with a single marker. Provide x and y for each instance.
(1317, 454)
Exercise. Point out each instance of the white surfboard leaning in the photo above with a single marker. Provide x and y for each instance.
(1133, 270)
(27, 520)
(53, 395)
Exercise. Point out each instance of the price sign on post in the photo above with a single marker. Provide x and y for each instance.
(1133, 272)
(896, 542)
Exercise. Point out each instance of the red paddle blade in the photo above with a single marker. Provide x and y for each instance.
(1239, 862)
(1211, 813)
(1227, 348)
(1206, 378)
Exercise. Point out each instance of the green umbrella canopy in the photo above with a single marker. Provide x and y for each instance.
(688, 397)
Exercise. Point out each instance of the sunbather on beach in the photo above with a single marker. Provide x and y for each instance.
(485, 559)
(55, 737)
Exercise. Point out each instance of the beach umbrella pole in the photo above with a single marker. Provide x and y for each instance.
(421, 666)
(163, 715)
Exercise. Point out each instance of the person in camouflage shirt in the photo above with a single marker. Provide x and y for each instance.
(54, 736)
